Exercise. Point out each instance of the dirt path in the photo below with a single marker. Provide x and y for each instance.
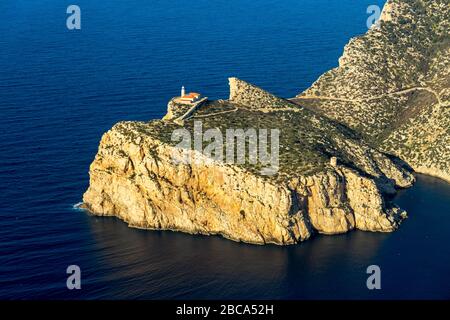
(400, 92)
(215, 113)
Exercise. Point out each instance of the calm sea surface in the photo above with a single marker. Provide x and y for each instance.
(60, 90)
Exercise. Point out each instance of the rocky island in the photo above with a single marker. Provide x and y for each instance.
(345, 145)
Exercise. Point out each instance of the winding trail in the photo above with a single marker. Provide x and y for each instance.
(215, 113)
(191, 113)
(400, 92)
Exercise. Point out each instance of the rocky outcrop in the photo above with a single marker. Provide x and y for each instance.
(136, 177)
(251, 96)
(139, 182)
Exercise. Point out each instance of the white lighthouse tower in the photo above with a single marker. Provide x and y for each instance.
(183, 91)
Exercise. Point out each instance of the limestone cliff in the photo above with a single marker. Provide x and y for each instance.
(135, 177)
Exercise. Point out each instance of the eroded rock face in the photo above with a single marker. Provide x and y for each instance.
(139, 182)
(134, 177)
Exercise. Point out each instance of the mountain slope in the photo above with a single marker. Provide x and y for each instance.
(392, 85)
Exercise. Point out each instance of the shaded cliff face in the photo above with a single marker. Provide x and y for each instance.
(136, 178)
(392, 85)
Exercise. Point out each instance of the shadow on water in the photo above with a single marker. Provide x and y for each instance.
(163, 264)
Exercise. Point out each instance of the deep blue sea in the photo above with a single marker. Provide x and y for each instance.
(60, 90)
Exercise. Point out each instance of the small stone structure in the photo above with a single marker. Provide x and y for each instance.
(333, 161)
